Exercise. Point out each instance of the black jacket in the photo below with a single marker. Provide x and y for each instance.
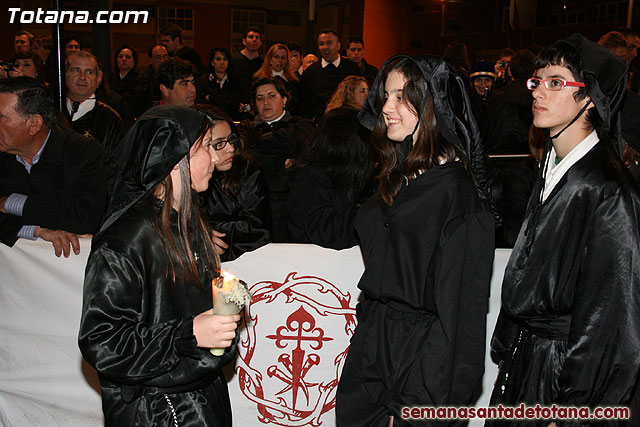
(228, 97)
(270, 146)
(507, 119)
(66, 189)
(133, 88)
(245, 216)
(102, 123)
(369, 72)
(318, 84)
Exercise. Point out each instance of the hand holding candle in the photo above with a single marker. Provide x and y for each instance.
(229, 296)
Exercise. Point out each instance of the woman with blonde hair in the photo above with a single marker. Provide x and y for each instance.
(351, 92)
(276, 65)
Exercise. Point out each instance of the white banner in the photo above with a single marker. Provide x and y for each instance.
(289, 358)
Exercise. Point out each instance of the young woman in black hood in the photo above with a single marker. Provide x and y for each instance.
(147, 322)
(427, 242)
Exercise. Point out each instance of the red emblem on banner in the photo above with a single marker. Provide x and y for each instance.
(289, 365)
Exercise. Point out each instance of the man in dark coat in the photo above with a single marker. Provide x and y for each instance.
(321, 79)
(568, 329)
(52, 181)
(87, 115)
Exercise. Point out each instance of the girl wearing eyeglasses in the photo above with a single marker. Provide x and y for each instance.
(236, 204)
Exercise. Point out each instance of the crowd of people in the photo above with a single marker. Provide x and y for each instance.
(176, 167)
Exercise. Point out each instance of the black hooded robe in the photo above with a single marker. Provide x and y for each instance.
(568, 330)
(428, 259)
(137, 326)
(420, 337)
(567, 334)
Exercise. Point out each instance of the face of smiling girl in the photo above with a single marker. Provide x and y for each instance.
(399, 116)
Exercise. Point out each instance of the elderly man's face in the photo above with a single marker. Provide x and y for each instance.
(159, 54)
(83, 78)
(13, 127)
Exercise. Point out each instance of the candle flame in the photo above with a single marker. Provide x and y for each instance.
(227, 279)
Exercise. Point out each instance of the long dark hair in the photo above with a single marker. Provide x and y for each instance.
(340, 147)
(429, 147)
(193, 232)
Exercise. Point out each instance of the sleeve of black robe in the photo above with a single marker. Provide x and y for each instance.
(121, 342)
(601, 365)
(463, 276)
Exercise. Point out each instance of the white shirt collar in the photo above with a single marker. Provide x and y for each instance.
(336, 62)
(556, 171)
(222, 80)
(278, 119)
(84, 107)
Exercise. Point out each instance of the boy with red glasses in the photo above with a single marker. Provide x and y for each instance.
(568, 329)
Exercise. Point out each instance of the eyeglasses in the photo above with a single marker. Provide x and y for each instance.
(551, 84)
(221, 143)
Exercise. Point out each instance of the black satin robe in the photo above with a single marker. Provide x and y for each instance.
(420, 337)
(568, 330)
(137, 331)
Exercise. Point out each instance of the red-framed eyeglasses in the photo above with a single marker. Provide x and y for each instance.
(551, 84)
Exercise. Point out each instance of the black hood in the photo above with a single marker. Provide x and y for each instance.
(452, 106)
(605, 79)
(452, 109)
(158, 140)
